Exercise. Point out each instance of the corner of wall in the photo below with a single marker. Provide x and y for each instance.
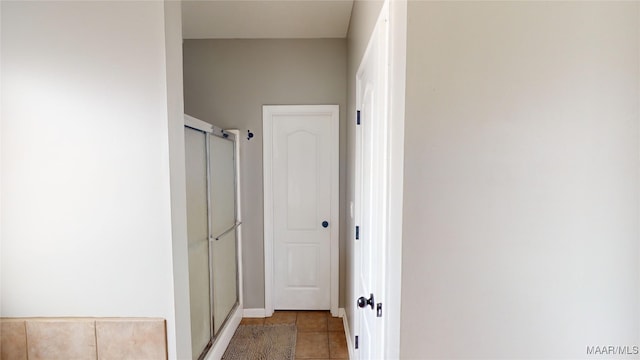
(397, 81)
(178, 330)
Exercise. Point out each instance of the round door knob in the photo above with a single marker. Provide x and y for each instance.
(363, 301)
(325, 224)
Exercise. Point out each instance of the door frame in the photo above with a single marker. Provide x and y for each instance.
(393, 17)
(397, 15)
(267, 127)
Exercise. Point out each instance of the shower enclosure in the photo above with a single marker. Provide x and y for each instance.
(212, 223)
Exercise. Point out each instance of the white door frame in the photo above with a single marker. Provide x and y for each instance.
(393, 12)
(397, 81)
(267, 127)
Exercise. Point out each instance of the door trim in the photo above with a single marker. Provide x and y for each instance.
(267, 127)
(397, 81)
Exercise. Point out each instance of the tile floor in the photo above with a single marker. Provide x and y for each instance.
(320, 336)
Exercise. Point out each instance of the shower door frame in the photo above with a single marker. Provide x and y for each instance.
(219, 342)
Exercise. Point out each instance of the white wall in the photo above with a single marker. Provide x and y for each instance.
(175, 111)
(226, 82)
(521, 207)
(86, 220)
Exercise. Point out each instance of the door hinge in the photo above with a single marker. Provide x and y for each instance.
(356, 341)
(379, 310)
(357, 232)
(358, 117)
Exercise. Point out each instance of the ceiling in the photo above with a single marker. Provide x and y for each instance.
(265, 19)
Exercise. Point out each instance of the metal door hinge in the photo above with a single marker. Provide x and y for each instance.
(357, 232)
(358, 117)
(356, 341)
(379, 310)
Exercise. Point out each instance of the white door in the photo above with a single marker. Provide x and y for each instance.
(303, 181)
(371, 194)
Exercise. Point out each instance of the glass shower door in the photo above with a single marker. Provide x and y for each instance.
(222, 184)
(211, 222)
(198, 240)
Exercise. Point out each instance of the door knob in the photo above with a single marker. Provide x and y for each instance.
(363, 302)
(325, 224)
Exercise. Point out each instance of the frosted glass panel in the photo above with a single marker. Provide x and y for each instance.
(223, 207)
(211, 220)
(225, 286)
(197, 232)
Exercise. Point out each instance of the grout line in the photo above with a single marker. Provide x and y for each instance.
(328, 341)
(26, 339)
(95, 335)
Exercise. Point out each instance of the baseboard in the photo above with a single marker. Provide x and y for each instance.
(347, 333)
(260, 313)
(254, 313)
(341, 312)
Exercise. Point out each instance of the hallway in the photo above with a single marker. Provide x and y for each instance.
(319, 335)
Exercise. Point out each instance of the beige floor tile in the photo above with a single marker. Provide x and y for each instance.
(338, 345)
(281, 317)
(252, 321)
(61, 339)
(312, 321)
(335, 324)
(131, 339)
(312, 345)
(314, 313)
(13, 339)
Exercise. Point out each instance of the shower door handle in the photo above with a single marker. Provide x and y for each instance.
(226, 231)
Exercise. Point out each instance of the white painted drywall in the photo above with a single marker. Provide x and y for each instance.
(273, 19)
(521, 211)
(86, 217)
(226, 82)
(175, 110)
